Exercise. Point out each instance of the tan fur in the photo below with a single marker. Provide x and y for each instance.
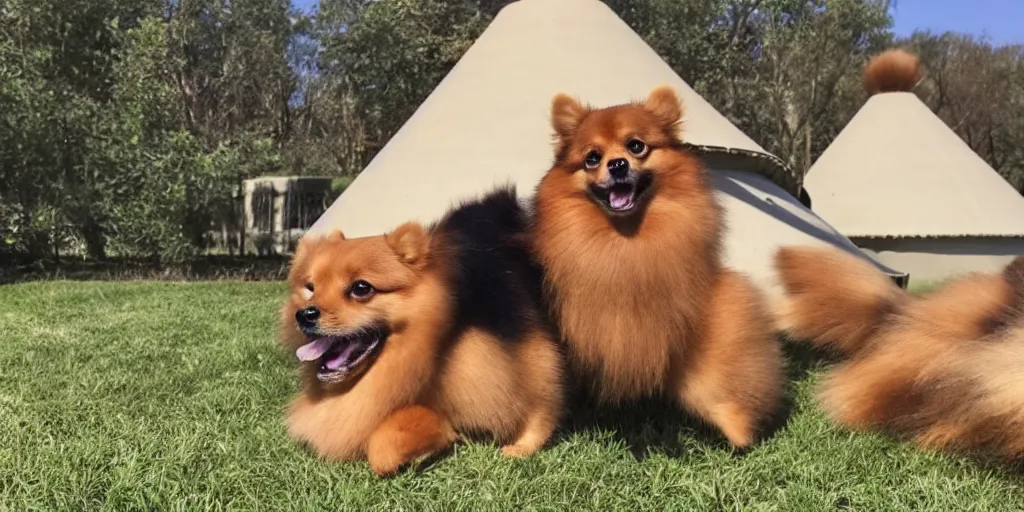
(893, 70)
(732, 376)
(636, 298)
(856, 288)
(409, 242)
(665, 105)
(539, 368)
(432, 378)
(408, 434)
(944, 369)
(566, 114)
(482, 389)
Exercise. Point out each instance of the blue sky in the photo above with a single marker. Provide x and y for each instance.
(1001, 20)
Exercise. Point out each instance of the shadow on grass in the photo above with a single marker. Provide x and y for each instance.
(658, 425)
(205, 268)
(1010, 471)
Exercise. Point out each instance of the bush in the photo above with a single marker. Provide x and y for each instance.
(338, 185)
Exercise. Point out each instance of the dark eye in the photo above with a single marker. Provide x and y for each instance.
(636, 147)
(592, 160)
(360, 290)
(309, 286)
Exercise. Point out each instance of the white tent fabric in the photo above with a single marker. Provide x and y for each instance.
(897, 170)
(487, 123)
(938, 259)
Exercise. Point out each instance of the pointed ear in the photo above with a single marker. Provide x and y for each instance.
(566, 114)
(410, 242)
(665, 103)
(307, 241)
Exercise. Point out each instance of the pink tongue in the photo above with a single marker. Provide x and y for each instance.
(620, 200)
(314, 350)
(336, 362)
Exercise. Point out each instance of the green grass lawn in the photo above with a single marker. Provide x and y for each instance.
(144, 396)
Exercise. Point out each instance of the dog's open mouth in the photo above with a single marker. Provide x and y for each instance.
(624, 194)
(341, 356)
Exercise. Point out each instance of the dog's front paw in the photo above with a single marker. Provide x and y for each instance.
(517, 450)
(386, 464)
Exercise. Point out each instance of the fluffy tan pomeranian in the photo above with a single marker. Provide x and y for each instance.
(627, 230)
(409, 340)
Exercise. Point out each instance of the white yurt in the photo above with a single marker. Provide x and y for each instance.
(487, 123)
(904, 187)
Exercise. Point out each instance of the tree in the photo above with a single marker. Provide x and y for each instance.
(382, 59)
(126, 125)
(807, 61)
(977, 89)
(62, 50)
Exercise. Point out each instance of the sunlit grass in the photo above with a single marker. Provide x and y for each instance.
(160, 396)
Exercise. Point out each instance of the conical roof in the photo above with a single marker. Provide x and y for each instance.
(897, 170)
(488, 123)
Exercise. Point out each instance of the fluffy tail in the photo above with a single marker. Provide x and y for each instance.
(834, 299)
(891, 71)
(949, 374)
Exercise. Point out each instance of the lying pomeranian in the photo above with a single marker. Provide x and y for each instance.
(945, 369)
(627, 229)
(411, 339)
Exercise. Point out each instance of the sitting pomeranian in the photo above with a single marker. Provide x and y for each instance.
(944, 369)
(409, 340)
(627, 229)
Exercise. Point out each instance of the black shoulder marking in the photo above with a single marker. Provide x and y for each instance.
(496, 283)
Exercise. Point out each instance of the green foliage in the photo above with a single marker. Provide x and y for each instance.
(382, 59)
(168, 184)
(338, 185)
(127, 125)
(26, 144)
(169, 206)
(133, 130)
(977, 89)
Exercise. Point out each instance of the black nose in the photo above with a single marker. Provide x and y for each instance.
(307, 317)
(618, 168)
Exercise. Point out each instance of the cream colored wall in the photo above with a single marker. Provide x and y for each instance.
(937, 259)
